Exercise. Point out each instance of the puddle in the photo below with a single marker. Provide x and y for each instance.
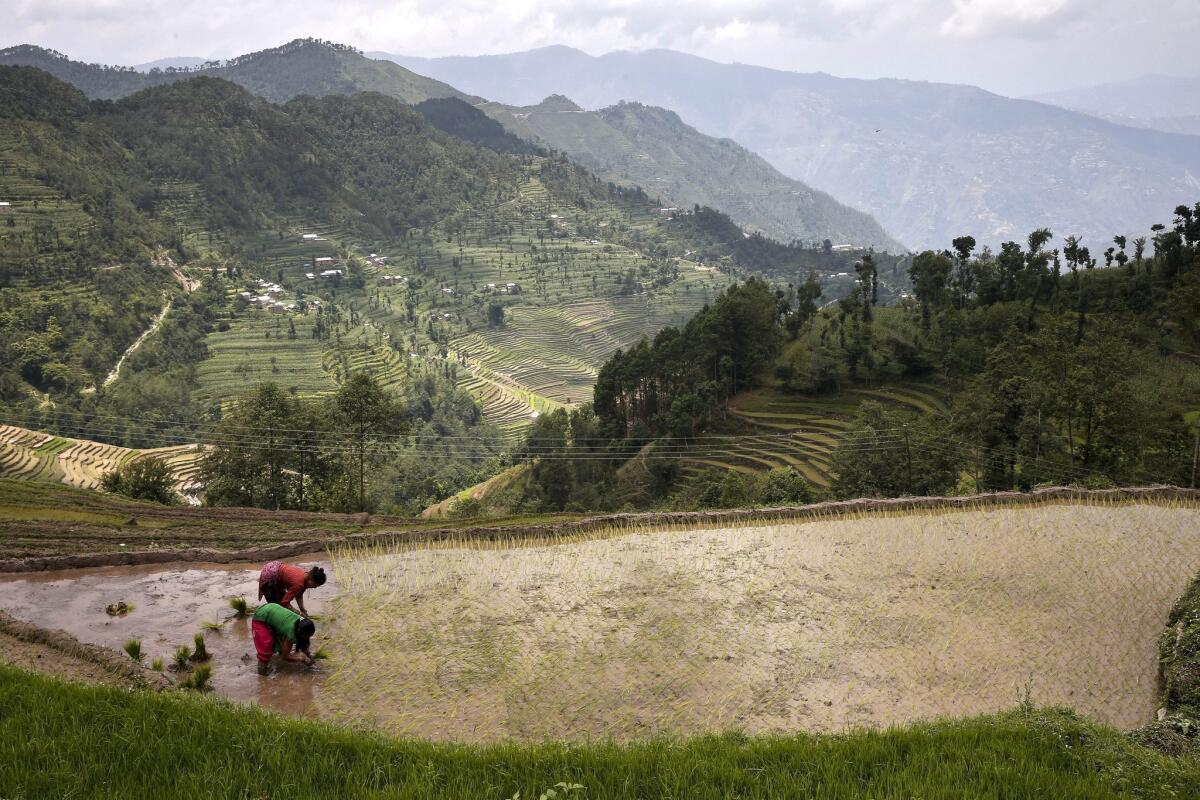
(170, 604)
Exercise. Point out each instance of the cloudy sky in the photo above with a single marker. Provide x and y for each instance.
(1009, 46)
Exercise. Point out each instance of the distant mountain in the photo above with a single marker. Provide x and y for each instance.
(1161, 102)
(649, 147)
(180, 62)
(929, 161)
(652, 147)
(304, 66)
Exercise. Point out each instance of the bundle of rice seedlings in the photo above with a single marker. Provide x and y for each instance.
(183, 655)
(201, 652)
(157, 665)
(198, 680)
(215, 627)
(133, 648)
(240, 607)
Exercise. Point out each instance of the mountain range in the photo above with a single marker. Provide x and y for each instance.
(303, 66)
(929, 161)
(649, 147)
(1164, 102)
(652, 147)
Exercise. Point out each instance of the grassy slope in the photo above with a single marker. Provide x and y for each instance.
(65, 740)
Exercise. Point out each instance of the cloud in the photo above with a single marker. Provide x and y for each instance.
(976, 18)
(1012, 45)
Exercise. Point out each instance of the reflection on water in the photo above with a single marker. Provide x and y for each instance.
(171, 602)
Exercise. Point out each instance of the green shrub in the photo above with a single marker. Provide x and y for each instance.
(464, 508)
(145, 479)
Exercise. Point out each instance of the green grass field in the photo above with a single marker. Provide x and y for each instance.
(65, 740)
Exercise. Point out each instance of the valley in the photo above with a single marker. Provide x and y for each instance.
(570, 426)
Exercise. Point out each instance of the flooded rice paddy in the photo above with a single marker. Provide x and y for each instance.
(811, 626)
(170, 604)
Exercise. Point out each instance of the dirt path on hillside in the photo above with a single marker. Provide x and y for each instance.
(813, 626)
(115, 372)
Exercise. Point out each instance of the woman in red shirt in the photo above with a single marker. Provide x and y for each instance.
(282, 583)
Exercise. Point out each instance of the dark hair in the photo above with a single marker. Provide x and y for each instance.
(318, 576)
(305, 628)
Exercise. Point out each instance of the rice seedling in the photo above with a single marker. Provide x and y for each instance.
(157, 665)
(133, 648)
(199, 678)
(241, 608)
(200, 652)
(320, 653)
(214, 627)
(119, 609)
(183, 655)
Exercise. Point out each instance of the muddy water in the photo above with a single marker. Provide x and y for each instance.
(170, 604)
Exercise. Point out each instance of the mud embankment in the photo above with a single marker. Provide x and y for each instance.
(524, 532)
(110, 661)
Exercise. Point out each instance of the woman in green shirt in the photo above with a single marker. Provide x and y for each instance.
(280, 630)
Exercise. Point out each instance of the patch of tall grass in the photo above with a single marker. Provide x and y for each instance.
(67, 740)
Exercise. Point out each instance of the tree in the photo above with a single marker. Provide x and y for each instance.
(892, 453)
(367, 412)
(785, 486)
(929, 272)
(964, 279)
(252, 451)
(148, 479)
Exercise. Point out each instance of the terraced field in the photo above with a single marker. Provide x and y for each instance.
(40, 227)
(255, 349)
(801, 431)
(572, 287)
(35, 456)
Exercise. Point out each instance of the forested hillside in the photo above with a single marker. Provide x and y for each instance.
(1035, 365)
(632, 146)
(303, 66)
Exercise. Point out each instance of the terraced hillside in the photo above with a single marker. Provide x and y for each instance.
(800, 431)
(35, 456)
(574, 284)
